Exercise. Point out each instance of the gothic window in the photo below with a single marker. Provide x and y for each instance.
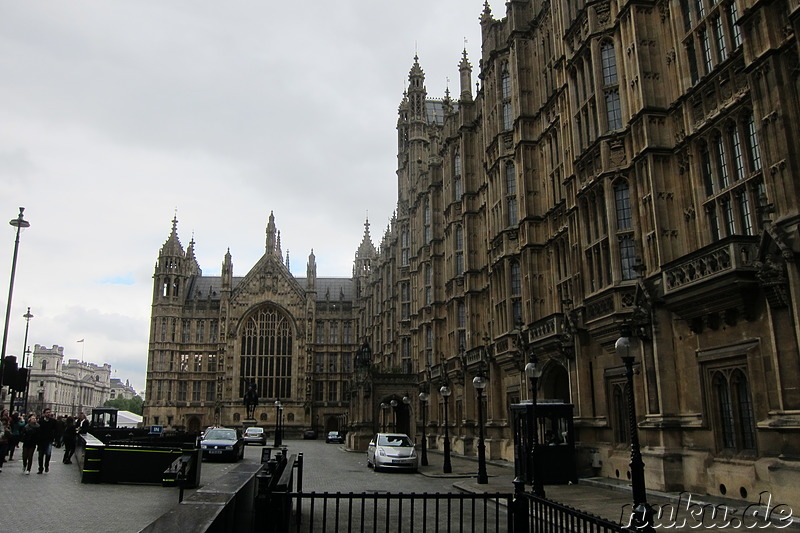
(163, 330)
(345, 363)
(429, 344)
(159, 390)
(320, 332)
(733, 409)
(727, 216)
(183, 389)
(619, 417)
(44, 365)
(719, 34)
(405, 300)
(745, 212)
(738, 157)
(174, 330)
(459, 250)
(457, 184)
(426, 222)
(211, 362)
(334, 336)
(333, 359)
(333, 391)
(405, 355)
(404, 247)
(185, 329)
(722, 163)
(706, 170)
(610, 87)
(184, 362)
(622, 200)
(319, 363)
(511, 195)
(713, 222)
(213, 331)
(198, 362)
(705, 46)
(515, 277)
(687, 15)
(505, 102)
(691, 55)
(752, 144)
(200, 332)
(461, 324)
(196, 391)
(347, 333)
(428, 284)
(211, 389)
(266, 353)
(319, 391)
(733, 15)
(701, 10)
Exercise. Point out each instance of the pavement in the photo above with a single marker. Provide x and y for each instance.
(50, 502)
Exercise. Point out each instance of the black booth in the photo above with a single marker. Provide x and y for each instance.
(554, 454)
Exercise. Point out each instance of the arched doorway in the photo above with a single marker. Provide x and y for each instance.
(393, 416)
(555, 383)
(193, 425)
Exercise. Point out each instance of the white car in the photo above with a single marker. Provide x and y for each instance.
(392, 450)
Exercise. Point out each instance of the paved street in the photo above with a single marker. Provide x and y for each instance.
(50, 502)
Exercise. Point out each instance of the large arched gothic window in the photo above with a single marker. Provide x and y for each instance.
(266, 353)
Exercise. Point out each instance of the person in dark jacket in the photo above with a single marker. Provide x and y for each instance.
(47, 432)
(70, 434)
(29, 436)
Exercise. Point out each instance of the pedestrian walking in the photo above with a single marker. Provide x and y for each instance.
(30, 438)
(60, 426)
(70, 434)
(83, 423)
(5, 438)
(17, 423)
(47, 433)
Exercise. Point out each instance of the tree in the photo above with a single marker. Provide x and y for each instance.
(134, 405)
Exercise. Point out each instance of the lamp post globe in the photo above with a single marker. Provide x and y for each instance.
(480, 382)
(448, 467)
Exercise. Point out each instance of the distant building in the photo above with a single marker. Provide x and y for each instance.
(66, 388)
(121, 390)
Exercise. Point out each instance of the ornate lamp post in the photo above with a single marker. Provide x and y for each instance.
(27, 316)
(533, 372)
(642, 518)
(383, 406)
(480, 383)
(406, 402)
(423, 400)
(278, 408)
(393, 403)
(446, 392)
(18, 223)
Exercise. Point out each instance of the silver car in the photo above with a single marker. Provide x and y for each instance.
(391, 450)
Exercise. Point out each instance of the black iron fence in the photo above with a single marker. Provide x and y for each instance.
(399, 512)
(541, 515)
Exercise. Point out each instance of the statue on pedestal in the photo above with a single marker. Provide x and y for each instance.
(251, 400)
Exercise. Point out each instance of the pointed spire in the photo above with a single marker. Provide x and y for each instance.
(278, 251)
(465, 68)
(227, 271)
(416, 90)
(487, 11)
(195, 266)
(271, 233)
(173, 246)
(287, 260)
(311, 270)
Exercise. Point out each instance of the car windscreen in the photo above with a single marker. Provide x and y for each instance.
(394, 440)
(221, 434)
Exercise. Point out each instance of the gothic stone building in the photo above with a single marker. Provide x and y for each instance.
(620, 164)
(211, 337)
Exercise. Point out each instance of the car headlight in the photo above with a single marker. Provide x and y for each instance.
(204, 446)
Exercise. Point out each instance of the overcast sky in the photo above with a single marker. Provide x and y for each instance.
(116, 115)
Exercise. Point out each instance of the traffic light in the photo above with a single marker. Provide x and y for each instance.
(9, 370)
(21, 380)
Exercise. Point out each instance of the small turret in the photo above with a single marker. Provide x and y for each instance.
(465, 69)
(311, 271)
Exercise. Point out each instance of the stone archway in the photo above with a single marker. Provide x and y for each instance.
(193, 425)
(555, 383)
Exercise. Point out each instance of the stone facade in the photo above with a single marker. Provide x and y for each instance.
(620, 164)
(66, 388)
(211, 337)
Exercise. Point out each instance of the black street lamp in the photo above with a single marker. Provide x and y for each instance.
(18, 223)
(393, 403)
(533, 372)
(278, 408)
(423, 399)
(480, 383)
(642, 518)
(27, 316)
(445, 392)
(383, 407)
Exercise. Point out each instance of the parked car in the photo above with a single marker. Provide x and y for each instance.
(255, 435)
(391, 450)
(335, 437)
(222, 443)
(309, 434)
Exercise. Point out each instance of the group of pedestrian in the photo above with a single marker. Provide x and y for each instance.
(39, 433)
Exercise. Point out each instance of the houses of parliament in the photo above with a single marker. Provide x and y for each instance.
(608, 167)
